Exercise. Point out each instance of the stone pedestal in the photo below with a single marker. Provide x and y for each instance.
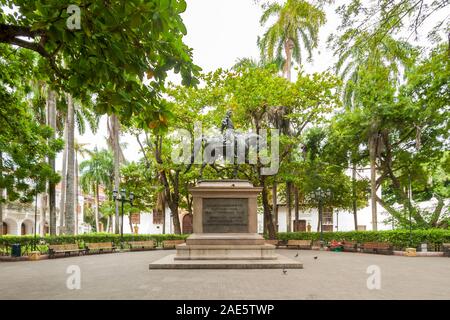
(225, 231)
(225, 223)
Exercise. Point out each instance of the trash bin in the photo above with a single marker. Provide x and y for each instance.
(16, 250)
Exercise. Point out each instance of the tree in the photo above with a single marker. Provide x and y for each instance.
(82, 116)
(114, 146)
(116, 46)
(24, 142)
(412, 133)
(297, 24)
(386, 18)
(384, 57)
(79, 148)
(260, 99)
(96, 171)
(69, 209)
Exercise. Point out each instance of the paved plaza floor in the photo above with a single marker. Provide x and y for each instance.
(332, 275)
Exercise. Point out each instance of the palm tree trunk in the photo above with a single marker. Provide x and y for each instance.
(51, 122)
(355, 210)
(97, 201)
(288, 45)
(70, 201)
(63, 180)
(76, 193)
(116, 151)
(44, 204)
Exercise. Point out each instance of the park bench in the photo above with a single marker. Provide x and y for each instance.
(273, 242)
(141, 245)
(446, 249)
(300, 244)
(100, 247)
(377, 247)
(170, 244)
(66, 249)
(349, 246)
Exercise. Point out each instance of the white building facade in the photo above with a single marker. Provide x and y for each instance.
(19, 218)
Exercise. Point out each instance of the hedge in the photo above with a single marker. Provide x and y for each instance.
(399, 238)
(27, 241)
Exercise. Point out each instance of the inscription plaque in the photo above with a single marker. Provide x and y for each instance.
(223, 215)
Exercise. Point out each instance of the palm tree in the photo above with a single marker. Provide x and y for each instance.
(370, 51)
(79, 148)
(51, 122)
(114, 145)
(297, 24)
(77, 113)
(96, 171)
(69, 212)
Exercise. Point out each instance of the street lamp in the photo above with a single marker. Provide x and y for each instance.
(122, 198)
(319, 195)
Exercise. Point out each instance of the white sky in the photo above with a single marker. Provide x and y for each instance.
(220, 32)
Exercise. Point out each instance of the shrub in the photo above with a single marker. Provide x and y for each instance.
(27, 241)
(399, 238)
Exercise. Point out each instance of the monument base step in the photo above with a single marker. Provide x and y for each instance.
(225, 238)
(281, 262)
(225, 252)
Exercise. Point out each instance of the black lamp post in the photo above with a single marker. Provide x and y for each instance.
(122, 198)
(319, 195)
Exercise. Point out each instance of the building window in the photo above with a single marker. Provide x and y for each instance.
(327, 216)
(158, 216)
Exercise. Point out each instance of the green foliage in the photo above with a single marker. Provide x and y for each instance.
(82, 239)
(24, 143)
(98, 170)
(119, 45)
(398, 238)
(298, 21)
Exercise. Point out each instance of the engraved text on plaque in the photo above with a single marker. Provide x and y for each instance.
(225, 215)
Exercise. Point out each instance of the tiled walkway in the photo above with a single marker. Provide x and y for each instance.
(126, 276)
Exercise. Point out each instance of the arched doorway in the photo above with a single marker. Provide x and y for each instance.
(187, 223)
(11, 226)
(5, 228)
(26, 227)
